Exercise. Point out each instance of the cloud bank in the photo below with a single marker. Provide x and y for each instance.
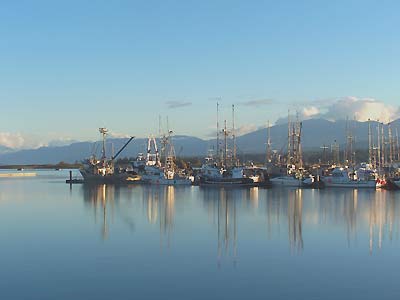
(350, 107)
(19, 141)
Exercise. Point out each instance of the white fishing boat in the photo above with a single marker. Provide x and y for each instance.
(294, 162)
(158, 176)
(344, 178)
(211, 175)
(151, 169)
(286, 180)
(224, 169)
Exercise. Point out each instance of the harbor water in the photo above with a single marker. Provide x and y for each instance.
(148, 242)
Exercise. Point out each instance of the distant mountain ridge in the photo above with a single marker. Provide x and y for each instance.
(316, 132)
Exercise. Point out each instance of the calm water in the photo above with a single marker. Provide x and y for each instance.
(138, 242)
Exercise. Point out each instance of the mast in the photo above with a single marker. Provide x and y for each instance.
(225, 131)
(103, 132)
(335, 152)
(324, 148)
(346, 150)
(390, 144)
(369, 143)
(299, 150)
(397, 145)
(383, 150)
(289, 146)
(218, 154)
(268, 158)
(170, 157)
(234, 135)
(348, 153)
(379, 147)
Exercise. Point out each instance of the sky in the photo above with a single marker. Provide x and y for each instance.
(69, 67)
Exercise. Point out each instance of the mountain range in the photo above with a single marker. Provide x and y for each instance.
(315, 133)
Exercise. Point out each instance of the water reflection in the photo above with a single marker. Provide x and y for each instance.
(159, 205)
(99, 197)
(294, 216)
(366, 218)
(105, 201)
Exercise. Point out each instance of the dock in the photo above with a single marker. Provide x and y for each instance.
(11, 175)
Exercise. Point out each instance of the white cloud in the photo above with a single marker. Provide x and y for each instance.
(118, 135)
(311, 111)
(19, 141)
(361, 109)
(245, 129)
(350, 107)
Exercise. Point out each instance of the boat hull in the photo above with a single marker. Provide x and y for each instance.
(289, 181)
(350, 184)
(94, 178)
(228, 182)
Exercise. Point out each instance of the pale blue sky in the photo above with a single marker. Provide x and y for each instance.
(68, 67)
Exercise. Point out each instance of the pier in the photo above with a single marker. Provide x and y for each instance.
(11, 175)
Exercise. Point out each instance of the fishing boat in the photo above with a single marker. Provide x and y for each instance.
(345, 178)
(294, 163)
(287, 180)
(102, 170)
(151, 169)
(212, 175)
(224, 169)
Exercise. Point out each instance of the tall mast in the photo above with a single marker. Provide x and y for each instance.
(289, 146)
(103, 132)
(234, 135)
(346, 150)
(348, 153)
(268, 158)
(369, 143)
(218, 154)
(390, 143)
(324, 148)
(379, 147)
(225, 143)
(299, 150)
(335, 152)
(397, 145)
(383, 150)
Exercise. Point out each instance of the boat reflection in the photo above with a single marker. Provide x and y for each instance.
(159, 205)
(361, 217)
(105, 200)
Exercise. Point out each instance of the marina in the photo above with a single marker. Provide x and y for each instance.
(199, 150)
(223, 168)
(135, 234)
